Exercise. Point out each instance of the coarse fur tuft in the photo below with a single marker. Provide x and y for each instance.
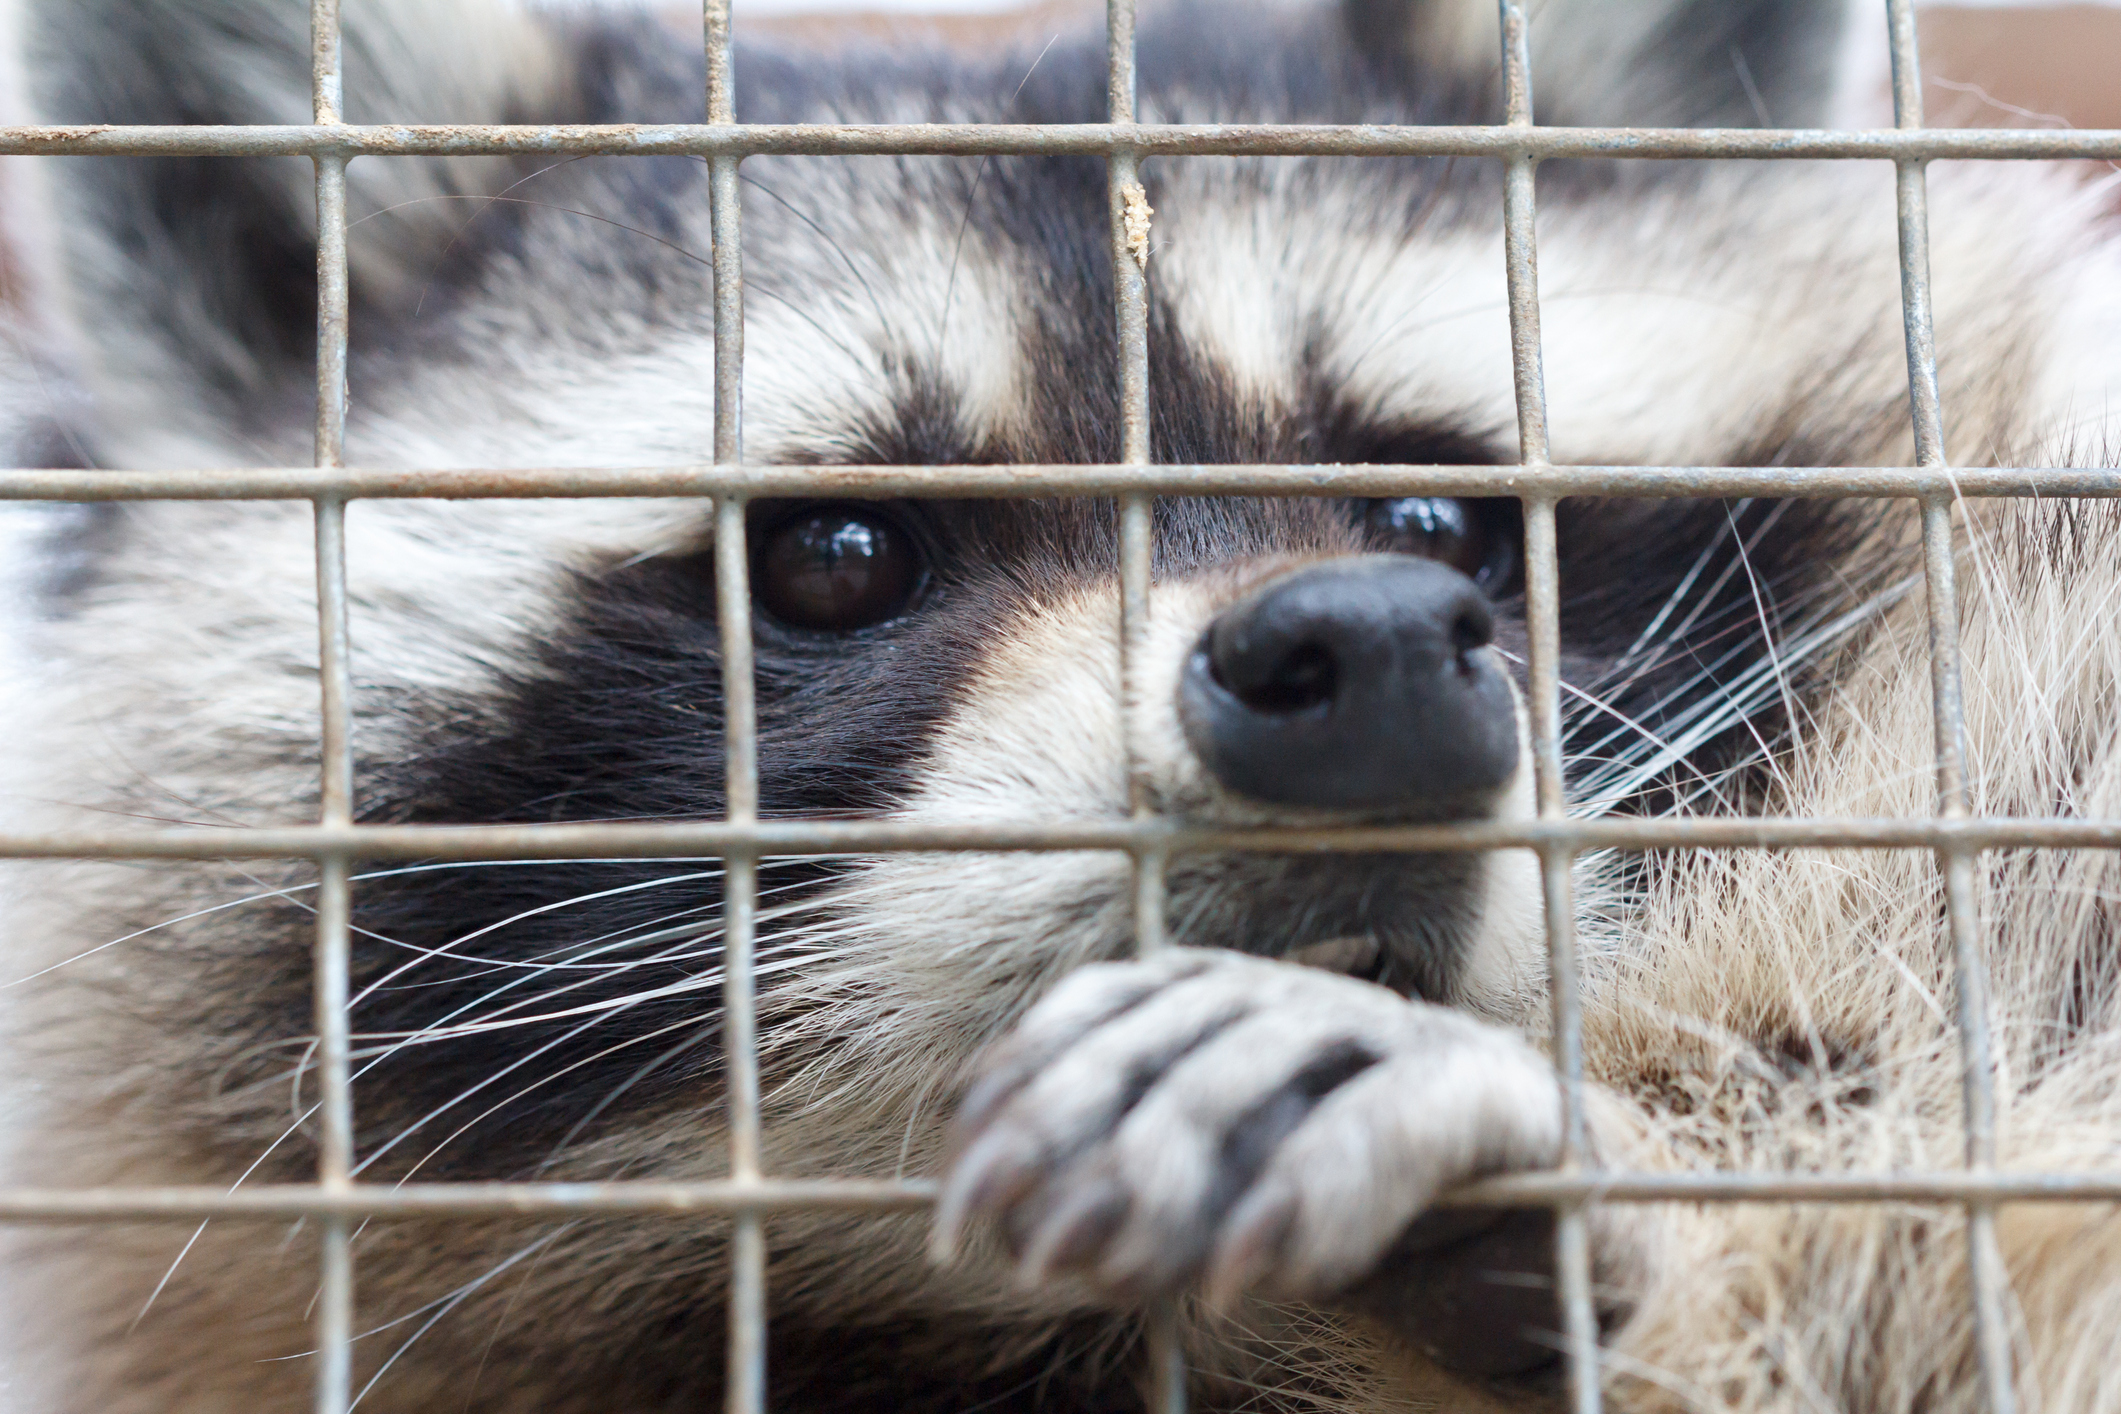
(1226, 1124)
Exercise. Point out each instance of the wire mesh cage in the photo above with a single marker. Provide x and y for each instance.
(336, 1202)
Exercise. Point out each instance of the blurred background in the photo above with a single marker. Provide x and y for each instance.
(2009, 64)
(2005, 63)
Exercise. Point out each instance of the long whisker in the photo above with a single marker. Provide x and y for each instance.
(957, 249)
(200, 1230)
(1597, 804)
(1743, 696)
(603, 1015)
(292, 889)
(459, 233)
(805, 942)
(454, 1300)
(705, 981)
(156, 927)
(1651, 630)
(541, 1082)
(838, 247)
(448, 950)
(1737, 646)
(500, 1324)
(1768, 622)
(688, 933)
(705, 1033)
(582, 947)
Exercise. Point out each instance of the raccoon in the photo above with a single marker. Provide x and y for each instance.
(1252, 1124)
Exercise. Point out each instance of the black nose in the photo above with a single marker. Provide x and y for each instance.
(1353, 685)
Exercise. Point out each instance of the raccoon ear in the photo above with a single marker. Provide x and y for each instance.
(1661, 63)
(197, 275)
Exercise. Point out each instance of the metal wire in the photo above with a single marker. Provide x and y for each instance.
(1007, 481)
(714, 1198)
(1572, 1261)
(745, 1381)
(332, 965)
(1984, 1257)
(850, 837)
(794, 838)
(1128, 203)
(1054, 139)
(1955, 835)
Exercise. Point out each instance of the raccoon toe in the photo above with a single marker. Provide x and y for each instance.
(1071, 1070)
(1171, 1169)
(1455, 1101)
(1260, 1125)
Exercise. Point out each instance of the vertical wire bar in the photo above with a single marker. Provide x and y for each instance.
(1137, 549)
(721, 75)
(1572, 1247)
(740, 876)
(1543, 615)
(1131, 316)
(1131, 313)
(746, 1374)
(1521, 251)
(726, 205)
(326, 72)
(334, 1316)
(746, 1392)
(332, 960)
(1989, 1278)
(1119, 60)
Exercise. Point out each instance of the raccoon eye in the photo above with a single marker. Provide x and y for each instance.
(836, 569)
(1461, 534)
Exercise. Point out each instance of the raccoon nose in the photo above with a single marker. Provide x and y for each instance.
(1354, 685)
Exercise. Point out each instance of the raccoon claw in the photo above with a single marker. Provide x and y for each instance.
(1251, 1240)
(1074, 1235)
(1245, 1125)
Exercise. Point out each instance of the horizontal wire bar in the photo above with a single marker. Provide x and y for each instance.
(1291, 479)
(723, 1198)
(715, 1197)
(713, 839)
(1053, 139)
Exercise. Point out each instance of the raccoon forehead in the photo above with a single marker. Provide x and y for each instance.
(916, 324)
(923, 310)
(1677, 327)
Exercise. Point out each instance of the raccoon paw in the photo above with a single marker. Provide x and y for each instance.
(1212, 1118)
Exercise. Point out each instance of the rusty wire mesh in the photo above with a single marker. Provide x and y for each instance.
(335, 1201)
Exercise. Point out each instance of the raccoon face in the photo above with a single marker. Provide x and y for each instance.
(1315, 660)
(1307, 659)
(1311, 659)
